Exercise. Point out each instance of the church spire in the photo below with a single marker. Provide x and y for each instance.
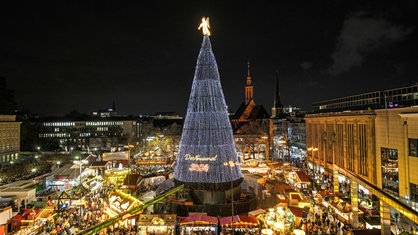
(277, 105)
(249, 90)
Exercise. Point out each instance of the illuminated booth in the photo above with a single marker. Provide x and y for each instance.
(120, 202)
(199, 223)
(32, 221)
(240, 224)
(72, 197)
(157, 224)
(207, 160)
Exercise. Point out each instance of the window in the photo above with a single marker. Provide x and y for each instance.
(363, 163)
(413, 188)
(390, 176)
(413, 144)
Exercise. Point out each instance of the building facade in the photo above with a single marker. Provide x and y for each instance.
(371, 146)
(9, 139)
(346, 139)
(82, 134)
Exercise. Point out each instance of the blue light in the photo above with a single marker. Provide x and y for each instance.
(207, 140)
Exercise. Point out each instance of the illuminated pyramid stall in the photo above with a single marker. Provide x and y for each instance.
(206, 162)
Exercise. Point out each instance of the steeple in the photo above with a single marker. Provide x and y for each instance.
(249, 90)
(277, 105)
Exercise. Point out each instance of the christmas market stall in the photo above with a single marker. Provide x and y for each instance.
(32, 221)
(157, 224)
(199, 223)
(240, 223)
(120, 202)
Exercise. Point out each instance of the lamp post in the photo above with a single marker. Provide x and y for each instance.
(149, 139)
(80, 163)
(312, 150)
(232, 164)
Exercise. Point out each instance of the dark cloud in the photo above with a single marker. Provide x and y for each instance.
(360, 36)
(306, 65)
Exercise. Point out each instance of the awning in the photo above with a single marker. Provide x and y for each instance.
(296, 211)
(303, 177)
(199, 219)
(254, 213)
(239, 221)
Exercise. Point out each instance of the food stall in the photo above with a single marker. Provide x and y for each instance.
(157, 224)
(199, 223)
(240, 224)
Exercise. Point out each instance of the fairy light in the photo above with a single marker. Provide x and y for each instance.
(207, 140)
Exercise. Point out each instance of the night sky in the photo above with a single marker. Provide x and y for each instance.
(60, 56)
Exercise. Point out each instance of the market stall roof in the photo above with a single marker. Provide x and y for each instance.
(202, 219)
(239, 220)
(67, 171)
(165, 186)
(272, 165)
(46, 213)
(254, 213)
(303, 177)
(149, 218)
(132, 179)
(296, 211)
(100, 164)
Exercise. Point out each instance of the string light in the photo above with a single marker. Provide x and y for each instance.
(207, 140)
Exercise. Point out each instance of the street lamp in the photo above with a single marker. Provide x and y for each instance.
(81, 163)
(232, 164)
(149, 139)
(312, 150)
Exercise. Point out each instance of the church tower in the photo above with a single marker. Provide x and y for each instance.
(249, 90)
(277, 109)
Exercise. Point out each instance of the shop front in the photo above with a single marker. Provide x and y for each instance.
(157, 224)
(240, 224)
(199, 224)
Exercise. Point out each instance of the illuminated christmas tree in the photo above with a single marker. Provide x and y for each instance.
(207, 156)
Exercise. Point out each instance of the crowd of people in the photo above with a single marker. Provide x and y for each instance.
(323, 221)
(73, 219)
